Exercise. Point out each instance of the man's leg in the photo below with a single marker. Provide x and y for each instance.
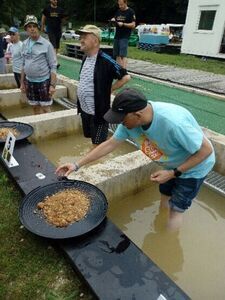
(17, 79)
(122, 61)
(164, 201)
(46, 109)
(122, 56)
(183, 191)
(55, 40)
(2, 65)
(99, 133)
(37, 109)
(174, 221)
(43, 101)
(57, 46)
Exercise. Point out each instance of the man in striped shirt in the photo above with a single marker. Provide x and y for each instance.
(98, 70)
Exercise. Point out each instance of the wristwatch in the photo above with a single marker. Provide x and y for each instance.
(177, 173)
(76, 166)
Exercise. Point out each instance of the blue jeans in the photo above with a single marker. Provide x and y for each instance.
(120, 47)
(182, 192)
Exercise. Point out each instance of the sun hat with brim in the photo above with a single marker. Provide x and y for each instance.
(2, 30)
(127, 101)
(30, 19)
(90, 29)
(13, 30)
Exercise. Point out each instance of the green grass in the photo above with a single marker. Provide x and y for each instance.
(179, 60)
(30, 268)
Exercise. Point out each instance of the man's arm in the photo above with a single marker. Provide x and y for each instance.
(43, 21)
(53, 80)
(98, 152)
(51, 58)
(198, 157)
(195, 159)
(22, 85)
(120, 82)
(127, 25)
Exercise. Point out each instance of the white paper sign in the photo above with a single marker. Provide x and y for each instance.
(7, 153)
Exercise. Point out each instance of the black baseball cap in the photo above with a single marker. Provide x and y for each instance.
(126, 101)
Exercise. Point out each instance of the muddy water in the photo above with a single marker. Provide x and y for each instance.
(72, 147)
(24, 110)
(194, 257)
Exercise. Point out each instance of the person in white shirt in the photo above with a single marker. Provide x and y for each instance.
(8, 53)
(16, 50)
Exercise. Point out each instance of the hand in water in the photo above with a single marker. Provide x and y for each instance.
(65, 170)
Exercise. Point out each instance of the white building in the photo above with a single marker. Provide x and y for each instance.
(204, 30)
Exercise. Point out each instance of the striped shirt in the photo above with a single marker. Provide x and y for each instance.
(85, 90)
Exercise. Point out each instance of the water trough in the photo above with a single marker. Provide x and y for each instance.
(108, 273)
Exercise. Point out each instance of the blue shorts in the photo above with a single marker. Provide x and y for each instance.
(38, 93)
(120, 47)
(182, 192)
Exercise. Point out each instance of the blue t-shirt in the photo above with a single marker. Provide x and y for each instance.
(174, 135)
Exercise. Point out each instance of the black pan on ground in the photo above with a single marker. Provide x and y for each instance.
(24, 130)
(33, 219)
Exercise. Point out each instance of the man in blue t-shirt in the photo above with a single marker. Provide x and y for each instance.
(169, 135)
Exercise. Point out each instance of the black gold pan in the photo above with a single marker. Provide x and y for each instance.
(34, 221)
(23, 130)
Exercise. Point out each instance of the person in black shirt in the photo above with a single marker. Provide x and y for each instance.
(125, 21)
(52, 17)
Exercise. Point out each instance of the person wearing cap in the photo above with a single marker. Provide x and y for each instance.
(169, 135)
(124, 20)
(52, 17)
(16, 50)
(98, 70)
(8, 52)
(2, 48)
(38, 76)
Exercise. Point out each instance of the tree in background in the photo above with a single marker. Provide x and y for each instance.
(147, 11)
(11, 10)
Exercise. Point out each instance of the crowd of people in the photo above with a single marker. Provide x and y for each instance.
(166, 133)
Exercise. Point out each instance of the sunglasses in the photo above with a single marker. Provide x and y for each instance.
(11, 33)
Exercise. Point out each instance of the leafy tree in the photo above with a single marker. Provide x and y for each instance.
(147, 11)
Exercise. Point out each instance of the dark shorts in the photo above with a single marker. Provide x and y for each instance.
(182, 192)
(97, 132)
(120, 47)
(54, 38)
(17, 77)
(38, 93)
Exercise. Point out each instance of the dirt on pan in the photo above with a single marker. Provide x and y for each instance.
(4, 131)
(65, 207)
